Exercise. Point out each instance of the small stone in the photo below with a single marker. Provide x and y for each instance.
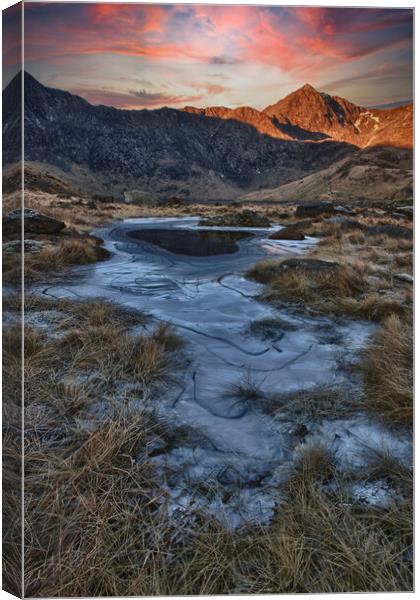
(404, 277)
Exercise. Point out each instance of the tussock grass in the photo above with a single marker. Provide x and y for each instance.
(360, 285)
(321, 542)
(247, 388)
(66, 253)
(314, 404)
(388, 372)
(383, 465)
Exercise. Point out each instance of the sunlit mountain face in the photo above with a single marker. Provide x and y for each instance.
(149, 56)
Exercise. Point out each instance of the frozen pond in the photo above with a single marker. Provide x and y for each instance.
(194, 280)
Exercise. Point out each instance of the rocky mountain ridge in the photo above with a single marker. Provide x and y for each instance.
(210, 154)
(307, 114)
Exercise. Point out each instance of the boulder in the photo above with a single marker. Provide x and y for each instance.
(287, 233)
(313, 265)
(34, 222)
(406, 277)
(346, 223)
(315, 209)
(244, 218)
(15, 246)
(407, 211)
(395, 231)
(302, 225)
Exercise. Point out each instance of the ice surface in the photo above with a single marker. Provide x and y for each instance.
(244, 453)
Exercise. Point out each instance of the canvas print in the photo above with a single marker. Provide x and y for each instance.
(207, 299)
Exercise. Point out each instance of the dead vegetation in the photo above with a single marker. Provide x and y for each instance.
(388, 372)
(362, 281)
(96, 518)
(322, 542)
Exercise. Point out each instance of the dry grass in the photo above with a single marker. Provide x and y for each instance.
(53, 258)
(322, 542)
(362, 285)
(314, 404)
(96, 520)
(388, 371)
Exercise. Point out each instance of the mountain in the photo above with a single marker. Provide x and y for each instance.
(207, 154)
(373, 175)
(341, 120)
(308, 114)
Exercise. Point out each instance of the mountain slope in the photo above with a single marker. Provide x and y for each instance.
(374, 175)
(208, 154)
(166, 151)
(341, 120)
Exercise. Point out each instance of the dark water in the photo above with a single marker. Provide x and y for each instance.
(192, 243)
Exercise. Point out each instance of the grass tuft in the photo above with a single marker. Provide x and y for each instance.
(388, 372)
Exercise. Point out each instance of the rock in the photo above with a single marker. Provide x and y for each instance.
(34, 222)
(315, 209)
(313, 265)
(28, 246)
(244, 218)
(287, 233)
(407, 211)
(302, 225)
(140, 197)
(406, 277)
(343, 210)
(345, 223)
(395, 231)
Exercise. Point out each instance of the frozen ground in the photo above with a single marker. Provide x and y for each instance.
(236, 454)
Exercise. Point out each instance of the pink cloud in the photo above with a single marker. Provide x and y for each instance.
(135, 99)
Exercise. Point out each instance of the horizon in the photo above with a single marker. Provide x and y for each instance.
(135, 56)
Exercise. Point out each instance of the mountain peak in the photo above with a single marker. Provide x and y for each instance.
(307, 87)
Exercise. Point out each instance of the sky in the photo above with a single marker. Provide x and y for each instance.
(147, 56)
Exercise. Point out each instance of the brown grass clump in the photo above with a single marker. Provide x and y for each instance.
(360, 283)
(339, 290)
(388, 371)
(66, 253)
(321, 542)
(92, 512)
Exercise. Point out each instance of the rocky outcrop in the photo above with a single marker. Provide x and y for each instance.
(32, 246)
(287, 233)
(315, 209)
(394, 231)
(313, 265)
(245, 218)
(34, 222)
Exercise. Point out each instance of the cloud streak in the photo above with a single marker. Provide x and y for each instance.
(296, 42)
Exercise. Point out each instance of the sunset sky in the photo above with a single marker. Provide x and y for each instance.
(147, 56)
